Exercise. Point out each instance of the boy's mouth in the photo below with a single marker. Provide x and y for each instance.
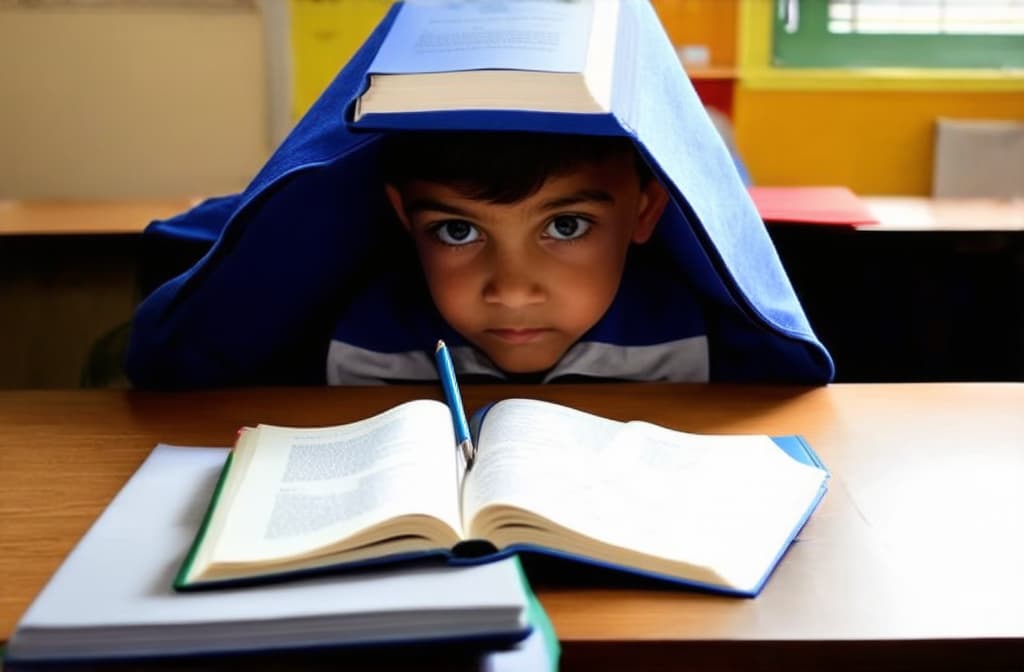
(518, 336)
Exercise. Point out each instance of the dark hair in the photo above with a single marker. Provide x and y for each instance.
(496, 166)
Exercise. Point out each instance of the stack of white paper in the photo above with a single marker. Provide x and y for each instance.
(112, 596)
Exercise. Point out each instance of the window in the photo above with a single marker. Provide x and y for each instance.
(899, 33)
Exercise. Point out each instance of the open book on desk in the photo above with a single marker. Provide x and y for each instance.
(112, 598)
(711, 511)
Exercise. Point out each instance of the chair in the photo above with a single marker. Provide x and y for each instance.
(976, 158)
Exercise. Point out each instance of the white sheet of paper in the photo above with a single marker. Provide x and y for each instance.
(113, 594)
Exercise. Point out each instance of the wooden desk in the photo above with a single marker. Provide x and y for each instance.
(915, 557)
(895, 213)
(47, 218)
(935, 294)
(68, 277)
(910, 213)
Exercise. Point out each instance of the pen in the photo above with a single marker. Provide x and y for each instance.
(446, 371)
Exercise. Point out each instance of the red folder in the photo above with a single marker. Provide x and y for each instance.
(829, 206)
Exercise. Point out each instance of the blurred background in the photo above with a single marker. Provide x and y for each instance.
(116, 112)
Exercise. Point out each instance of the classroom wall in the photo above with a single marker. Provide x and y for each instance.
(323, 36)
(705, 24)
(872, 141)
(870, 130)
(119, 101)
(875, 142)
(112, 101)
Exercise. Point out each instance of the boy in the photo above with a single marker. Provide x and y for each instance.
(537, 255)
(523, 259)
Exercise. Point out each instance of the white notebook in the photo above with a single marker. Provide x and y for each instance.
(112, 596)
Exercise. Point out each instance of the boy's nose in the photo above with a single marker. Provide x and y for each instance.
(512, 285)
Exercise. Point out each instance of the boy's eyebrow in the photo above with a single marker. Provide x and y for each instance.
(433, 205)
(581, 196)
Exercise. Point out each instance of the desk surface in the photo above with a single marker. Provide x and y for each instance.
(46, 218)
(895, 213)
(909, 213)
(915, 553)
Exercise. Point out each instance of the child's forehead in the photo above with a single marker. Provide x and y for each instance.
(605, 181)
(419, 153)
(595, 186)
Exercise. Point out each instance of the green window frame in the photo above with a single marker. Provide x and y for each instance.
(800, 39)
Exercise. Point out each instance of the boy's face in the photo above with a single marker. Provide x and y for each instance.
(524, 281)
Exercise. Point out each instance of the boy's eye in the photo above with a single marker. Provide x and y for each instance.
(456, 232)
(567, 227)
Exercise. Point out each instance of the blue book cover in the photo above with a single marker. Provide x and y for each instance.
(283, 255)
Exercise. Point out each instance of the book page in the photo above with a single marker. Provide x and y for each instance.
(304, 488)
(452, 36)
(726, 502)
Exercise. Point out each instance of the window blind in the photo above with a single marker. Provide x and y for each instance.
(926, 17)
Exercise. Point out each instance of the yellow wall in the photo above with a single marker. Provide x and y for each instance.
(870, 130)
(117, 102)
(324, 35)
(875, 142)
(711, 23)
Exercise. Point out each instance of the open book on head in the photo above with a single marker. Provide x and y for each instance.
(715, 511)
(523, 55)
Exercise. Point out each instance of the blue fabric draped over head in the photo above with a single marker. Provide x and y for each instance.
(292, 267)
